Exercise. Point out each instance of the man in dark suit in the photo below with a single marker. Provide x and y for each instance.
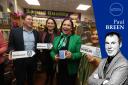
(24, 39)
(114, 69)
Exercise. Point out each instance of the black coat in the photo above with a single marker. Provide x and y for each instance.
(16, 41)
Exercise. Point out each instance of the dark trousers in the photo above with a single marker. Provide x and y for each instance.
(2, 74)
(49, 78)
(65, 79)
(24, 70)
(47, 66)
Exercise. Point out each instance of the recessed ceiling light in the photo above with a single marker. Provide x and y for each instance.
(83, 7)
(8, 10)
(33, 2)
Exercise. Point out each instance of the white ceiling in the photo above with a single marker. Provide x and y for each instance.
(59, 5)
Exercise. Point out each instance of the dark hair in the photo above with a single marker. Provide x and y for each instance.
(114, 33)
(72, 25)
(55, 28)
(25, 15)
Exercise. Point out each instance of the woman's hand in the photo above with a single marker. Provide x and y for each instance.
(68, 54)
(57, 58)
(93, 60)
(90, 58)
(10, 56)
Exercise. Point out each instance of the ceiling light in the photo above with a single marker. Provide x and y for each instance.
(33, 2)
(8, 10)
(83, 7)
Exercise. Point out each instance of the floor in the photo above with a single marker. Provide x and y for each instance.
(39, 77)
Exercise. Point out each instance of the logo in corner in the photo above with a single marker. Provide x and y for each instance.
(116, 9)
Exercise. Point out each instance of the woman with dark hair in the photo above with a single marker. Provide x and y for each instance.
(47, 36)
(66, 52)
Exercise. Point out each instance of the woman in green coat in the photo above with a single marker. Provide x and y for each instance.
(66, 52)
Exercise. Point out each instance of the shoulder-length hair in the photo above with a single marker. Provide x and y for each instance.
(72, 25)
(55, 28)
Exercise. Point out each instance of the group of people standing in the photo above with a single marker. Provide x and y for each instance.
(63, 58)
(26, 38)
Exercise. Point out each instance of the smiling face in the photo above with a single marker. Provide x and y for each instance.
(28, 21)
(50, 24)
(94, 37)
(112, 45)
(67, 27)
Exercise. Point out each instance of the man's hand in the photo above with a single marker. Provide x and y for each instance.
(106, 81)
(96, 76)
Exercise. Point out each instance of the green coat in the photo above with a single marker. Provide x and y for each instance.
(74, 48)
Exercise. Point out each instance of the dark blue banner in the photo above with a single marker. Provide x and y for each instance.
(112, 16)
